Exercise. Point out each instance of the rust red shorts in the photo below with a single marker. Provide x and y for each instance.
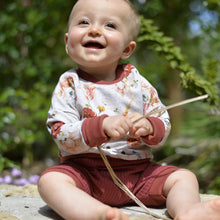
(145, 179)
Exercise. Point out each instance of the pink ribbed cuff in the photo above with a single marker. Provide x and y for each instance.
(92, 131)
(158, 134)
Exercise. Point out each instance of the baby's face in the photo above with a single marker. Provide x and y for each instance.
(99, 32)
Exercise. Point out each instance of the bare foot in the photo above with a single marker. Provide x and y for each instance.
(115, 214)
(209, 210)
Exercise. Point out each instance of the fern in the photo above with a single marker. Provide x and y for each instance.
(189, 79)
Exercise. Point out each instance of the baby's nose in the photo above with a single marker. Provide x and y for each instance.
(94, 30)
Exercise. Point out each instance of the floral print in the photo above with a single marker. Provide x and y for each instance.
(101, 108)
(88, 113)
(89, 92)
(56, 128)
(133, 93)
(127, 69)
(127, 108)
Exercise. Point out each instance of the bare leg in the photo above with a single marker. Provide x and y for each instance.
(183, 200)
(182, 191)
(209, 210)
(59, 191)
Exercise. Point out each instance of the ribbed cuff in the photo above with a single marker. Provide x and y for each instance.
(158, 134)
(92, 131)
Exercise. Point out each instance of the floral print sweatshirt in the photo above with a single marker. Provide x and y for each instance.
(80, 103)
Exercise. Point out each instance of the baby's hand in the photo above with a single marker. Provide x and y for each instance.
(140, 128)
(117, 126)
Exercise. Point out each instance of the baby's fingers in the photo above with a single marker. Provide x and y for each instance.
(116, 126)
(142, 132)
(117, 133)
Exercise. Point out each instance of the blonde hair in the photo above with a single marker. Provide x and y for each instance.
(134, 20)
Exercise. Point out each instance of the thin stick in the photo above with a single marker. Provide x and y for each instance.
(119, 183)
(173, 106)
(116, 180)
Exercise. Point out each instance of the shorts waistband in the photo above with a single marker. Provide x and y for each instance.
(95, 161)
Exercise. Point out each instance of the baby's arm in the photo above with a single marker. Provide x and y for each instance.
(64, 120)
(73, 132)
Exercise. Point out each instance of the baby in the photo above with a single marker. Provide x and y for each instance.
(96, 105)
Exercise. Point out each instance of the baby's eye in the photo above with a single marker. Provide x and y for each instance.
(83, 22)
(111, 25)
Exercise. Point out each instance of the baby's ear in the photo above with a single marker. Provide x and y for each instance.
(66, 40)
(129, 49)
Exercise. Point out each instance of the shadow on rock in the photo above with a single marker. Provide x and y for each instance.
(48, 212)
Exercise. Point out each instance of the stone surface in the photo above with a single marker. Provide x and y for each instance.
(24, 203)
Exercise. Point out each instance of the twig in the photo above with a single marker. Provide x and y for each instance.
(173, 106)
(119, 183)
(116, 180)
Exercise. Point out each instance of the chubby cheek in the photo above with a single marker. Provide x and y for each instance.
(72, 41)
(117, 43)
(116, 40)
(70, 50)
(74, 38)
(72, 47)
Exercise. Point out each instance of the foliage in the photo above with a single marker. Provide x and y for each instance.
(205, 147)
(28, 45)
(23, 117)
(30, 67)
(190, 80)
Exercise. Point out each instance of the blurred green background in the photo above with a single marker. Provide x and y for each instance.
(178, 52)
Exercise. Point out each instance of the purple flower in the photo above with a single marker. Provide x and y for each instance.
(7, 179)
(21, 182)
(16, 172)
(33, 179)
(16, 178)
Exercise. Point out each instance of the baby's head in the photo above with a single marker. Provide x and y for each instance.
(101, 32)
(132, 20)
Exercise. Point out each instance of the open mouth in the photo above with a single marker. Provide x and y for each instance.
(94, 45)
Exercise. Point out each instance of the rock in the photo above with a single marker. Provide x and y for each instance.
(5, 216)
(26, 190)
(24, 203)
